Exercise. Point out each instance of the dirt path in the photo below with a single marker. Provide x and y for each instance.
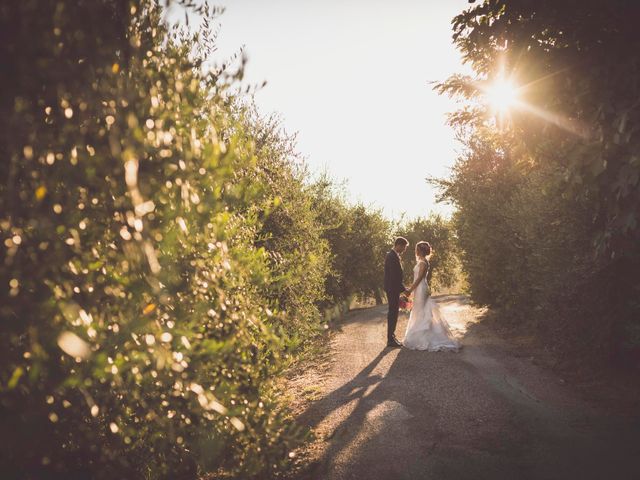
(480, 414)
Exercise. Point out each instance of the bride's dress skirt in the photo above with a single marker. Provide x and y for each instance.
(427, 329)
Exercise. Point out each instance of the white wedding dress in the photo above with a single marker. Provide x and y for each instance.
(427, 329)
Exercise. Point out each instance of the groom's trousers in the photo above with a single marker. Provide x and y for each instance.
(393, 298)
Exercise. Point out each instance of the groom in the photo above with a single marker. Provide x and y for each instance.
(394, 287)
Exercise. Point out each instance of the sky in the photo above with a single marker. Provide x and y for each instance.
(351, 78)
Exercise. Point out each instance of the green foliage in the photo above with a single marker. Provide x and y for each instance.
(162, 252)
(299, 257)
(368, 243)
(358, 238)
(548, 204)
(135, 339)
(581, 64)
(445, 263)
(332, 213)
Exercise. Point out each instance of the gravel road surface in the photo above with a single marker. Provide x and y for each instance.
(383, 413)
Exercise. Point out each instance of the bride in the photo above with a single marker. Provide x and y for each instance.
(427, 329)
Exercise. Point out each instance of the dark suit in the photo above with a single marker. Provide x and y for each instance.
(394, 286)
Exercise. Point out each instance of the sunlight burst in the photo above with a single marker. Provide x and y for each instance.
(502, 95)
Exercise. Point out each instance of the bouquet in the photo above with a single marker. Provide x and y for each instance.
(405, 303)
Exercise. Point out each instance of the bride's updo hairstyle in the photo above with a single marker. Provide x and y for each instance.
(423, 249)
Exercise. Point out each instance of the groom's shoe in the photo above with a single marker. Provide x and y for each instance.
(393, 343)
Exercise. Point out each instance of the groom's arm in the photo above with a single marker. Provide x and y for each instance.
(391, 267)
(388, 269)
(399, 279)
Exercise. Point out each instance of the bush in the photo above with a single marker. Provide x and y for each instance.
(163, 251)
(548, 213)
(299, 256)
(445, 264)
(134, 328)
(358, 239)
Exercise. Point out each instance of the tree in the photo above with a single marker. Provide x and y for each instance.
(547, 205)
(358, 237)
(135, 339)
(299, 256)
(440, 234)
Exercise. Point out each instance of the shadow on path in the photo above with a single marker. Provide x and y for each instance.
(414, 415)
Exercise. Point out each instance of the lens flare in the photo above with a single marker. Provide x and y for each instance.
(502, 95)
